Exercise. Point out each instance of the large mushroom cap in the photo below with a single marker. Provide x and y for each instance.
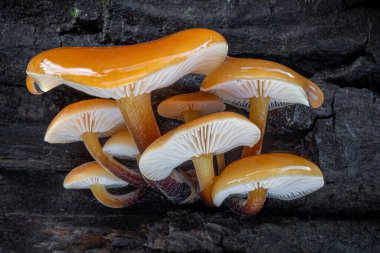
(91, 173)
(201, 102)
(117, 72)
(285, 176)
(100, 116)
(246, 78)
(212, 134)
(121, 145)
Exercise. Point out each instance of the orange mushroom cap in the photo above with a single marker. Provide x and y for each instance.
(129, 70)
(285, 176)
(212, 134)
(82, 177)
(245, 78)
(121, 145)
(201, 102)
(101, 116)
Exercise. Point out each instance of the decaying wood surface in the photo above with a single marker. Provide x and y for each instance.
(336, 43)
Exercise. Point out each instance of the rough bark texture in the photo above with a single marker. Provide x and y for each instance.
(336, 43)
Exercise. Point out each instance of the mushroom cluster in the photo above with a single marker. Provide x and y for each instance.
(123, 79)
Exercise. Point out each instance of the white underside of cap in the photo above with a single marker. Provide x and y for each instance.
(120, 151)
(203, 60)
(242, 90)
(107, 182)
(244, 103)
(216, 137)
(283, 187)
(101, 121)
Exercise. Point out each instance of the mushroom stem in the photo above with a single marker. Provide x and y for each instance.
(139, 117)
(116, 201)
(258, 114)
(192, 115)
(95, 149)
(250, 206)
(204, 169)
(221, 163)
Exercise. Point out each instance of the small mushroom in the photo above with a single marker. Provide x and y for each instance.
(190, 106)
(279, 176)
(186, 107)
(87, 121)
(93, 176)
(262, 82)
(121, 145)
(198, 141)
(129, 74)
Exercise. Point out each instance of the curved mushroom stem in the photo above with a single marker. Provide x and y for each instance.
(258, 114)
(116, 201)
(250, 206)
(221, 163)
(139, 117)
(95, 149)
(204, 169)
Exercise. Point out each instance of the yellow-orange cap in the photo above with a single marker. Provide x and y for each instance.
(202, 102)
(91, 173)
(246, 78)
(285, 176)
(123, 71)
(121, 145)
(101, 116)
(212, 134)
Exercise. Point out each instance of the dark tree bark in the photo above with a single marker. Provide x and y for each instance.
(336, 43)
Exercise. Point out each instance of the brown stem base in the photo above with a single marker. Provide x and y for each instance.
(95, 149)
(116, 201)
(258, 114)
(250, 206)
(178, 188)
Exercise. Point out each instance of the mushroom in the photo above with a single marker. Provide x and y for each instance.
(198, 140)
(279, 176)
(87, 121)
(262, 82)
(121, 145)
(93, 176)
(130, 73)
(190, 106)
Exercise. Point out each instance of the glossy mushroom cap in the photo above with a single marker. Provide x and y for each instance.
(212, 134)
(100, 116)
(246, 78)
(121, 145)
(285, 176)
(201, 102)
(91, 173)
(124, 71)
